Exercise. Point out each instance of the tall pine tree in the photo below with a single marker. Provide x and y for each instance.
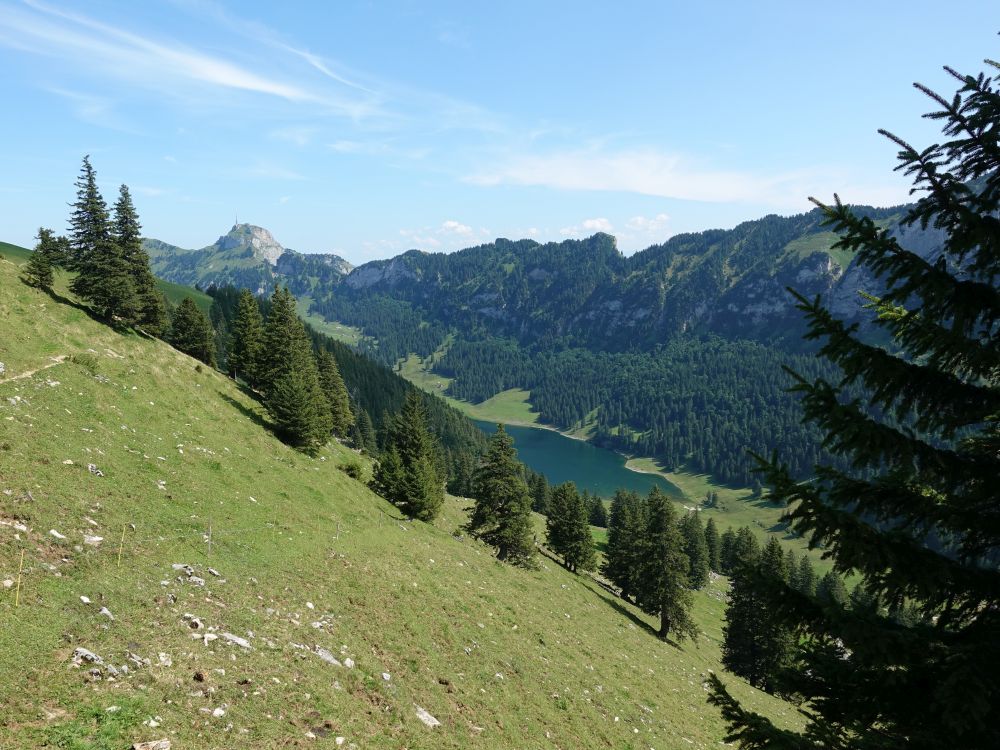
(292, 391)
(103, 277)
(567, 528)
(663, 587)
(407, 474)
(191, 332)
(336, 393)
(247, 344)
(501, 516)
(916, 516)
(126, 234)
(696, 549)
(626, 531)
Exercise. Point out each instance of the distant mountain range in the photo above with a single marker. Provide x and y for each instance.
(572, 293)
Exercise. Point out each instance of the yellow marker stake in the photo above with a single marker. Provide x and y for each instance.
(121, 545)
(17, 592)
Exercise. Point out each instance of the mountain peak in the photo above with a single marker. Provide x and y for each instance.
(257, 239)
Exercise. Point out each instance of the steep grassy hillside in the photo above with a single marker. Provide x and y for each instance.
(300, 565)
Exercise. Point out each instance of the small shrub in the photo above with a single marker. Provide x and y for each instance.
(87, 360)
(353, 469)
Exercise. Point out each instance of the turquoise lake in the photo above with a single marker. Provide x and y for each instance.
(562, 459)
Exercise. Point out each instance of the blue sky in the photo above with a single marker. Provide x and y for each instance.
(370, 128)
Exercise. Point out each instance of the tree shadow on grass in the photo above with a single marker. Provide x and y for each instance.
(253, 415)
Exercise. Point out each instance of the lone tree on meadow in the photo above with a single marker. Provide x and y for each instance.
(917, 517)
(501, 516)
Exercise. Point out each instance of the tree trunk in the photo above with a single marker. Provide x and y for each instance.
(664, 622)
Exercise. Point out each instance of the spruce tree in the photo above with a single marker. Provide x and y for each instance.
(191, 332)
(915, 516)
(407, 473)
(727, 551)
(663, 587)
(805, 581)
(568, 530)
(742, 651)
(696, 549)
(501, 516)
(626, 531)
(831, 590)
(39, 270)
(366, 439)
(292, 391)
(540, 494)
(336, 393)
(246, 347)
(714, 544)
(126, 234)
(103, 278)
(597, 512)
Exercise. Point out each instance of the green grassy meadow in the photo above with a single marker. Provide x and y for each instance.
(311, 566)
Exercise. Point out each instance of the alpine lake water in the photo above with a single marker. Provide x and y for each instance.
(563, 459)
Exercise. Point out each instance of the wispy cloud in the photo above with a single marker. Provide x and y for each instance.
(96, 110)
(658, 173)
(298, 135)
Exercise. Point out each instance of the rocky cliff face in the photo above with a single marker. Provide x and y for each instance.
(257, 240)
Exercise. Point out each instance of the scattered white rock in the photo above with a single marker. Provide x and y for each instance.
(93, 541)
(8, 583)
(56, 534)
(81, 655)
(340, 740)
(219, 712)
(326, 656)
(68, 462)
(165, 660)
(425, 717)
(94, 470)
(349, 663)
(196, 580)
(163, 744)
(107, 613)
(214, 572)
(386, 676)
(85, 599)
(236, 640)
(113, 709)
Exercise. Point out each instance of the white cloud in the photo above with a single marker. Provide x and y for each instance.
(150, 192)
(598, 225)
(92, 109)
(284, 199)
(453, 227)
(646, 225)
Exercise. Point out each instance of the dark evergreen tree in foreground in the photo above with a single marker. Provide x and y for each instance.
(501, 516)
(191, 332)
(663, 586)
(597, 512)
(39, 270)
(626, 531)
(246, 346)
(568, 530)
(918, 517)
(406, 474)
(126, 235)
